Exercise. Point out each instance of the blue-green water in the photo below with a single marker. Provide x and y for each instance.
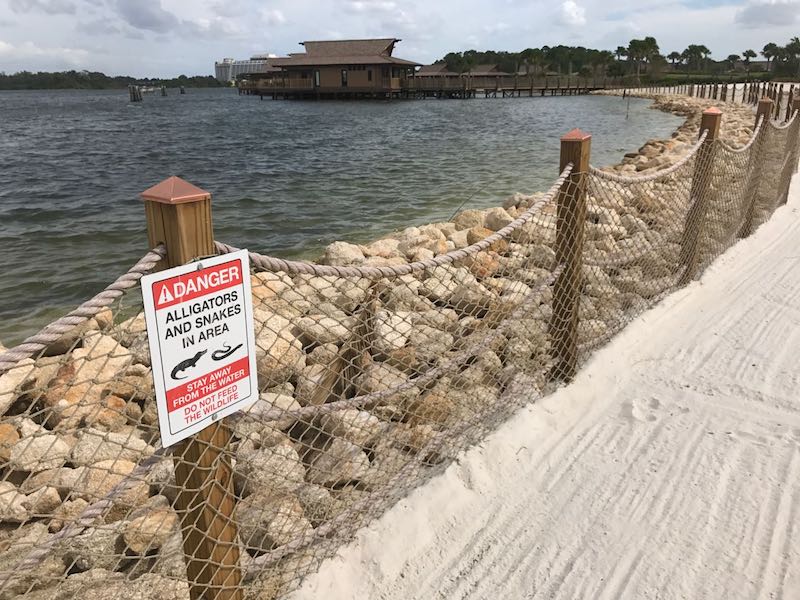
(287, 177)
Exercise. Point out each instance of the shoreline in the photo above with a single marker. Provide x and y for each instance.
(423, 242)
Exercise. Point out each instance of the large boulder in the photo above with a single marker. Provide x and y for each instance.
(342, 253)
(39, 453)
(94, 446)
(338, 464)
(268, 469)
(266, 521)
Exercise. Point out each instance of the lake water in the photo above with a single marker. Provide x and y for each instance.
(287, 177)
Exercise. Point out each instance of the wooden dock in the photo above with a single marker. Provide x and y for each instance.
(420, 88)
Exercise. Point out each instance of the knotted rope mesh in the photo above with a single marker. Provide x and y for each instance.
(376, 370)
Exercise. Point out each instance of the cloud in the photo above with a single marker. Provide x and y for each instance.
(51, 7)
(147, 14)
(214, 29)
(26, 51)
(371, 6)
(98, 27)
(272, 16)
(761, 13)
(572, 14)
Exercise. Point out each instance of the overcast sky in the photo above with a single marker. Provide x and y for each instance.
(170, 37)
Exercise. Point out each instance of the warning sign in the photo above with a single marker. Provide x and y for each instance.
(202, 344)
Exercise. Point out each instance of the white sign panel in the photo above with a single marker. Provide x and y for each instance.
(202, 343)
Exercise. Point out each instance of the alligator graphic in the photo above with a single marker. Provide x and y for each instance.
(186, 364)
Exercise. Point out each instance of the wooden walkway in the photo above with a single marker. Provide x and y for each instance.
(419, 88)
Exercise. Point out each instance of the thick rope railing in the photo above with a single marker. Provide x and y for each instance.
(55, 330)
(273, 264)
(750, 142)
(601, 174)
(785, 125)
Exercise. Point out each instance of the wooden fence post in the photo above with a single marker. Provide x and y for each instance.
(765, 110)
(790, 104)
(694, 227)
(179, 216)
(570, 223)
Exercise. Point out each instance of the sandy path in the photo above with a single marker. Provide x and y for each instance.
(669, 469)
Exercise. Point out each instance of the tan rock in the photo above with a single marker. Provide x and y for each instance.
(105, 319)
(99, 479)
(279, 354)
(268, 521)
(339, 463)
(11, 383)
(8, 438)
(356, 426)
(39, 453)
(131, 330)
(150, 531)
(96, 446)
(42, 502)
(476, 234)
(468, 219)
(342, 253)
(66, 513)
(64, 479)
(483, 264)
(12, 504)
(131, 387)
(266, 286)
(275, 469)
(496, 218)
(436, 408)
(71, 339)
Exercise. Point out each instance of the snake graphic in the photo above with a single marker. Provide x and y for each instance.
(224, 352)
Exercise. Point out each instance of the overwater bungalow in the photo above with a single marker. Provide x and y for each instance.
(340, 68)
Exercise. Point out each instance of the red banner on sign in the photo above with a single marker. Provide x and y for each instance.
(202, 387)
(189, 286)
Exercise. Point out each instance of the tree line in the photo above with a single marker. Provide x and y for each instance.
(639, 57)
(88, 80)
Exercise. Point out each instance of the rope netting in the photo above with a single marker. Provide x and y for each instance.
(376, 369)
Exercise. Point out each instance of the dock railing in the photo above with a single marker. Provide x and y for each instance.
(376, 369)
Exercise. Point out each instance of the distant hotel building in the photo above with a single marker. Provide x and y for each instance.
(229, 69)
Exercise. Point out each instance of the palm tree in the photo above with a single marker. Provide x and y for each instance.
(793, 50)
(620, 52)
(705, 53)
(694, 55)
(732, 60)
(674, 56)
(747, 55)
(638, 51)
(769, 52)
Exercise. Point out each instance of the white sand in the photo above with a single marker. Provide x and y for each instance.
(670, 468)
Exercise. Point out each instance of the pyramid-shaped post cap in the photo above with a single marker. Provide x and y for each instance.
(576, 135)
(175, 190)
(712, 110)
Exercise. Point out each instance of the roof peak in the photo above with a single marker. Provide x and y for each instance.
(388, 39)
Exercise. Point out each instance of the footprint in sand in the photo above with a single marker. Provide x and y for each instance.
(640, 410)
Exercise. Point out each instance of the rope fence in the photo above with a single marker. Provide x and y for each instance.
(376, 367)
